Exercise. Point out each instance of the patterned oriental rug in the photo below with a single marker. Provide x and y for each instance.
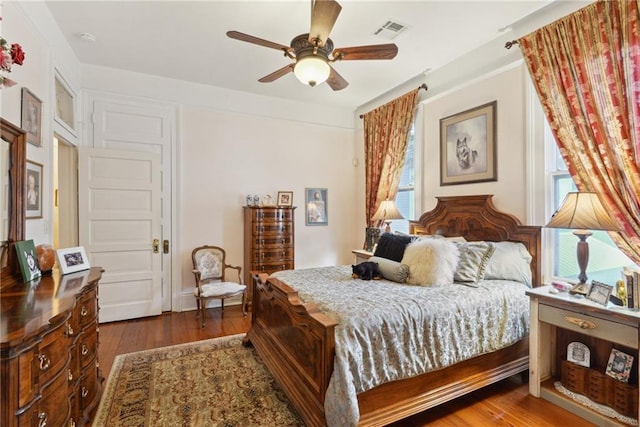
(216, 382)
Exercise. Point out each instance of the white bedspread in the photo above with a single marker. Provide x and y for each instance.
(388, 331)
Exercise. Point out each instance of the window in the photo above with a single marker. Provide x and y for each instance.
(605, 259)
(405, 200)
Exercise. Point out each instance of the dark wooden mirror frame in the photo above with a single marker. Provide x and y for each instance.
(16, 137)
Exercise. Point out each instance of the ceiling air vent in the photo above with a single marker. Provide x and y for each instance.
(390, 30)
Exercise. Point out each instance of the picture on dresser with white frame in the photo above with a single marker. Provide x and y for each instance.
(71, 260)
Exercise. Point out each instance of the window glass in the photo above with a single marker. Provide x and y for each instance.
(405, 199)
(605, 259)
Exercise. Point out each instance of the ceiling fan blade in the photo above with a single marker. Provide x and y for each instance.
(256, 40)
(376, 51)
(324, 14)
(336, 81)
(277, 74)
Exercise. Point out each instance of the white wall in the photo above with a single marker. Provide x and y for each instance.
(507, 88)
(225, 155)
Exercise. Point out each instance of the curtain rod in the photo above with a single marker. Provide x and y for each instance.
(422, 86)
(508, 45)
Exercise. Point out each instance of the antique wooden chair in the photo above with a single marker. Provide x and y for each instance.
(209, 267)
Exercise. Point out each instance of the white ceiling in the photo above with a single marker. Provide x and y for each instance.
(187, 40)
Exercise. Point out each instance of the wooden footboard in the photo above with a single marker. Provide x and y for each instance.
(296, 342)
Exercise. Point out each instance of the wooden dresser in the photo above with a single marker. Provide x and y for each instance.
(268, 241)
(49, 350)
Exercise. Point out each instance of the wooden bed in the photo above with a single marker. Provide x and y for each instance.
(296, 341)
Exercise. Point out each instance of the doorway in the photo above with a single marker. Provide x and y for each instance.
(65, 196)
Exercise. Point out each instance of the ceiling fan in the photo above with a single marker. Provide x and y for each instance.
(313, 52)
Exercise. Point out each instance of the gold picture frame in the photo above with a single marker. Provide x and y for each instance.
(468, 146)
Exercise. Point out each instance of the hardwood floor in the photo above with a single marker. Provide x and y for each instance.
(506, 403)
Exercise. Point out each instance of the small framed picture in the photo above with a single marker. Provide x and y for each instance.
(579, 354)
(619, 365)
(31, 120)
(599, 292)
(316, 206)
(28, 260)
(285, 198)
(34, 190)
(71, 260)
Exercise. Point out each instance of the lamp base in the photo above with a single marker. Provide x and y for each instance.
(580, 289)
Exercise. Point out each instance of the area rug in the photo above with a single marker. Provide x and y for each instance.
(216, 382)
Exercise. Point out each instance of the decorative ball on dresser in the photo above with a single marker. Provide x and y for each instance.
(46, 257)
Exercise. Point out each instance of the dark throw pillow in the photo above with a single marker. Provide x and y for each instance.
(391, 246)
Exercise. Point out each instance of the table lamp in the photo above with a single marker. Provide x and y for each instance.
(582, 212)
(386, 212)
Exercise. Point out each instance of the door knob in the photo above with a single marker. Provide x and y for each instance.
(156, 245)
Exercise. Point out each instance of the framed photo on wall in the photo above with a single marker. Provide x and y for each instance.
(31, 120)
(65, 104)
(468, 146)
(316, 212)
(34, 190)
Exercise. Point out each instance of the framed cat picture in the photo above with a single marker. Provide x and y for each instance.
(468, 146)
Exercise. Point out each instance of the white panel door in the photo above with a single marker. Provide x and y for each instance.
(123, 123)
(119, 219)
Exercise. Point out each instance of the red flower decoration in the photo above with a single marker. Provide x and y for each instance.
(17, 54)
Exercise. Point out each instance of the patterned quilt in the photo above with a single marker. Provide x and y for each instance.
(388, 331)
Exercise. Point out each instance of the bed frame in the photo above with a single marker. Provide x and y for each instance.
(296, 341)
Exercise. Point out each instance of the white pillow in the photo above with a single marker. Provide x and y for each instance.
(510, 261)
(431, 261)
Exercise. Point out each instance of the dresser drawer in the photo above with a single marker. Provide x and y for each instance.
(273, 255)
(589, 325)
(52, 355)
(279, 241)
(88, 388)
(86, 308)
(54, 406)
(271, 214)
(87, 347)
(279, 229)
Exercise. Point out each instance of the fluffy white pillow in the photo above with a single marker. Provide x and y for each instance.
(431, 261)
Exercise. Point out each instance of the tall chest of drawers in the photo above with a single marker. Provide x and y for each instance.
(49, 350)
(268, 241)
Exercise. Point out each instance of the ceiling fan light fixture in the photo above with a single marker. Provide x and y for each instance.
(312, 70)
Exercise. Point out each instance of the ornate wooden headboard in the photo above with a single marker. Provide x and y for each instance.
(476, 218)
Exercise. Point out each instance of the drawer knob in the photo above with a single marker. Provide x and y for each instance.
(44, 363)
(583, 324)
(84, 350)
(84, 311)
(42, 416)
(70, 375)
(85, 392)
(72, 423)
(69, 330)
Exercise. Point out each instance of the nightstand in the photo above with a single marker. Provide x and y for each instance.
(559, 319)
(361, 255)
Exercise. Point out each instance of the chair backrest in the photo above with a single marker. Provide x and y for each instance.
(209, 261)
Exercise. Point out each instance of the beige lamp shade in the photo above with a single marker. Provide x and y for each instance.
(386, 212)
(582, 211)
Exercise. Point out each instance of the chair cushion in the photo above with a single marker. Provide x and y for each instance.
(220, 289)
(210, 266)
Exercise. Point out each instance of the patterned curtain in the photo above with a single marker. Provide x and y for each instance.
(586, 70)
(386, 134)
